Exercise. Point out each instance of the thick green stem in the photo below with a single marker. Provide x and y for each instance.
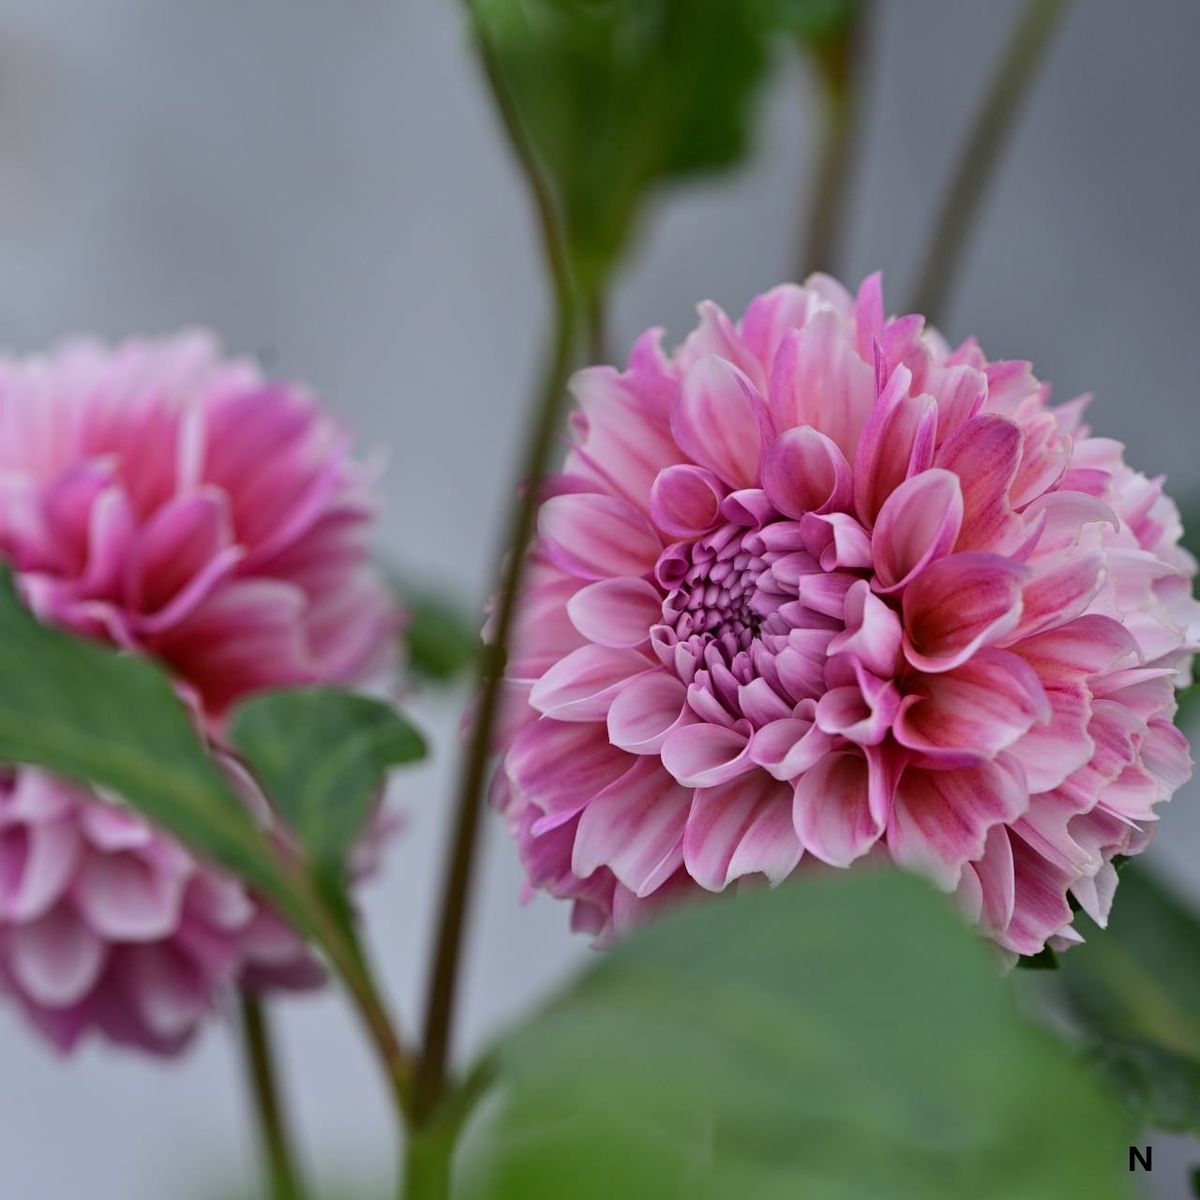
(429, 1083)
(427, 1164)
(837, 60)
(982, 152)
(279, 1164)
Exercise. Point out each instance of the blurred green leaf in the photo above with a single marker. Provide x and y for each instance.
(620, 96)
(811, 20)
(1134, 989)
(320, 754)
(1159, 1088)
(113, 720)
(830, 1040)
(441, 641)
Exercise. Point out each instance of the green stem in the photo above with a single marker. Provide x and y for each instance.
(982, 152)
(837, 60)
(430, 1080)
(282, 1174)
(427, 1164)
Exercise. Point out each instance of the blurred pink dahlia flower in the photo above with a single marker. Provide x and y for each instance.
(817, 587)
(175, 504)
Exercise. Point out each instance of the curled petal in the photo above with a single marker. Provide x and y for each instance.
(918, 523)
(804, 471)
(840, 807)
(582, 686)
(707, 755)
(957, 604)
(685, 500)
(647, 711)
(717, 421)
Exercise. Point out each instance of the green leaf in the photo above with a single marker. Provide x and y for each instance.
(833, 1039)
(811, 20)
(109, 719)
(1134, 990)
(320, 753)
(1159, 1088)
(441, 642)
(620, 96)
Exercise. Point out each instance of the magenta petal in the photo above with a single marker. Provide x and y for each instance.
(685, 500)
(984, 453)
(583, 685)
(724, 817)
(596, 537)
(705, 755)
(804, 471)
(1049, 753)
(37, 862)
(957, 604)
(56, 959)
(833, 810)
(560, 766)
(789, 747)
(974, 711)
(818, 379)
(717, 421)
(646, 711)
(940, 819)
(918, 523)
(124, 898)
(617, 613)
(635, 828)
(873, 632)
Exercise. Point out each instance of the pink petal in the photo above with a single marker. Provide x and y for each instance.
(974, 711)
(123, 898)
(57, 959)
(957, 604)
(873, 632)
(716, 421)
(740, 812)
(705, 755)
(917, 524)
(597, 537)
(37, 862)
(582, 686)
(1049, 753)
(817, 379)
(645, 712)
(940, 819)
(789, 747)
(897, 442)
(560, 766)
(804, 471)
(685, 500)
(984, 454)
(635, 828)
(617, 613)
(837, 816)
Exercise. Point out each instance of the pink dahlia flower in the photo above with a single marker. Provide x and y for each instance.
(817, 587)
(175, 504)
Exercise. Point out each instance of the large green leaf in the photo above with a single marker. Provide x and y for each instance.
(836, 1039)
(1134, 989)
(618, 96)
(113, 720)
(321, 754)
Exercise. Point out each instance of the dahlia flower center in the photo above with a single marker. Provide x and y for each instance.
(717, 598)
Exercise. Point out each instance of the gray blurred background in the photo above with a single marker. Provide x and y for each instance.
(323, 183)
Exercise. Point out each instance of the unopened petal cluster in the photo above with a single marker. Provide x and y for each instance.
(818, 589)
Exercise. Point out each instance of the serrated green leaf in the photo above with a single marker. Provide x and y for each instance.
(834, 1039)
(321, 753)
(618, 97)
(113, 720)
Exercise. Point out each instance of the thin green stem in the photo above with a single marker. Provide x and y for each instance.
(838, 60)
(280, 1169)
(543, 423)
(992, 128)
(597, 328)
